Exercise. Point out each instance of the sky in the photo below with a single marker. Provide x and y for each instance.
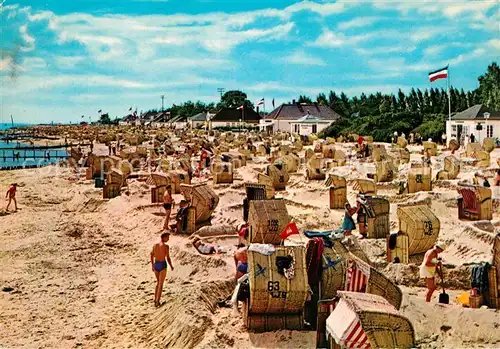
(62, 60)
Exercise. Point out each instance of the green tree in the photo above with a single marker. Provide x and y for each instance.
(401, 101)
(489, 87)
(234, 99)
(321, 99)
(304, 99)
(105, 120)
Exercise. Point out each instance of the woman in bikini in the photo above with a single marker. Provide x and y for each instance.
(160, 255)
(167, 205)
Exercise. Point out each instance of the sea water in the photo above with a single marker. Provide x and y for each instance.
(26, 157)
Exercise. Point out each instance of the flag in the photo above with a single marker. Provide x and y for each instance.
(261, 102)
(273, 102)
(438, 74)
(99, 111)
(240, 108)
(290, 229)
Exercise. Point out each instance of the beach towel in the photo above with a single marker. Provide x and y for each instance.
(264, 249)
(315, 248)
(479, 277)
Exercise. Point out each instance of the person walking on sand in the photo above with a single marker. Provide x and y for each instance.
(160, 255)
(428, 269)
(167, 205)
(11, 195)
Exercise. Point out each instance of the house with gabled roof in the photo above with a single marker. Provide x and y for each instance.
(235, 117)
(478, 120)
(281, 118)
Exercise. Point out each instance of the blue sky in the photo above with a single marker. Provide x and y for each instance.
(64, 59)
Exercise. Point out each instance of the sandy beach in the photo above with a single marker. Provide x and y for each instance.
(76, 273)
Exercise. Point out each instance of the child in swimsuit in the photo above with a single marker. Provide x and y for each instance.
(159, 257)
(11, 194)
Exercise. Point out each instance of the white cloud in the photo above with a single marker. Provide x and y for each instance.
(302, 58)
(495, 44)
(27, 38)
(446, 8)
(68, 62)
(33, 64)
(403, 48)
(313, 91)
(193, 63)
(359, 22)
(331, 39)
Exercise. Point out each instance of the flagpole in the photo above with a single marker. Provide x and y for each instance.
(449, 96)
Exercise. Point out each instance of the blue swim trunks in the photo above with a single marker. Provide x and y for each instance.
(160, 265)
(243, 268)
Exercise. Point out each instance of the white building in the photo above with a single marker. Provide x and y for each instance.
(478, 120)
(281, 118)
(308, 124)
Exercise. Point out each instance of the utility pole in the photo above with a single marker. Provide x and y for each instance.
(162, 99)
(221, 90)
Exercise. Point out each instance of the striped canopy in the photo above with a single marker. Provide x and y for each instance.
(344, 326)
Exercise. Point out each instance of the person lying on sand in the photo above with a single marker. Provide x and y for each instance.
(428, 269)
(11, 195)
(160, 255)
(241, 261)
(205, 248)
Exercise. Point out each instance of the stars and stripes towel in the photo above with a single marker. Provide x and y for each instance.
(438, 74)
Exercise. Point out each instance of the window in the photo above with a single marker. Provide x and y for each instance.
(315, 129)
(296, 128)
(454, 129)
(489, 131)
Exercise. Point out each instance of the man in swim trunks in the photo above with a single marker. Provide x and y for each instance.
(241, 261)
(160, 255)
(167, 205)
(11, 194)
(428, 269)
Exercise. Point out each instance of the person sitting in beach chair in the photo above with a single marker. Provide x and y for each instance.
(181, 217)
